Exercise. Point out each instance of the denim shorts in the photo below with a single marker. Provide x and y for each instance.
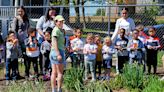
(53, 57)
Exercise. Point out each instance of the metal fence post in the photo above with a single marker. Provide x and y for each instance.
(109, 20)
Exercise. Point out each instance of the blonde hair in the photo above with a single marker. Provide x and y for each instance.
(107, 39)
(140, 27)
(90, 35)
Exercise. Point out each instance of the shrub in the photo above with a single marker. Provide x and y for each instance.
(154, 85)
(73, 79)
(133, 76)
(116, 83)
(97, 87)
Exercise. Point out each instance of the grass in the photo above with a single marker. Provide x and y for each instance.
(159, 58)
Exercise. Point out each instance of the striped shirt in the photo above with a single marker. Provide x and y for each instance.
(153, 42)
(32, 49)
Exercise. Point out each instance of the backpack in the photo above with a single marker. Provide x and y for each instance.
(11, 25)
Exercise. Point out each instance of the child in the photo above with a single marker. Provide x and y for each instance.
(1, 48)
(69, 47)
(32, 52)
(45, 50)
(107, 51)
(77, 48)
(11, 56)
(152, 46)
(135, 47)
(121, 46)
(98, 55)
(90, 50)
(142, 37)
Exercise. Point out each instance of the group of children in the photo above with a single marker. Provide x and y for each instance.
(32, 52)
(88, 55)
(92, 53)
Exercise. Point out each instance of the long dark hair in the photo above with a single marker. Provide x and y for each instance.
(47, 13)
(25, 17)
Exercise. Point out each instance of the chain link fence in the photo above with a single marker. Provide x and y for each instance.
(93, 19)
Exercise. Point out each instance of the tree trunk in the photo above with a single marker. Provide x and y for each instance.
(83, 14)
(77, 2)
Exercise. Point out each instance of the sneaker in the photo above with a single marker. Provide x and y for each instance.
(13, 82)
(7, 82)
(93, 80)
(162, 78)
(107, 78)
(103, 78)
(99, 78)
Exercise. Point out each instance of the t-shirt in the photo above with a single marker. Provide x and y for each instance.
(135, 44)
(32, 48)
(59, 34)
(43, 25)
(77, 43)
(45, 46)
(123, 43)
(128, 24)
(107, 52)
(90, 47)
(153, 41)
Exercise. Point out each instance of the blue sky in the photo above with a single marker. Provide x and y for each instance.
(89, 11)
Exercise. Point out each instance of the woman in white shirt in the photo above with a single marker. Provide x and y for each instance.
(124, 22)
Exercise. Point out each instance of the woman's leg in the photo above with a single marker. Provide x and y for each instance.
(53, 77)
(60, 68)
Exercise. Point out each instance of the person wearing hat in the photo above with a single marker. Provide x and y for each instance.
(57, 57)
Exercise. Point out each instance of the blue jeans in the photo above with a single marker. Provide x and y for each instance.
(90, 65)
(53, 57)
(11, 64)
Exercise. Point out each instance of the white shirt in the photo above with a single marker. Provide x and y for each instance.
(128, 24)
(90, 47)
(77, 44)
(107, 52)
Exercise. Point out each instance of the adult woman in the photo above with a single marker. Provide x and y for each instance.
(57, 57)
(20, 26)
(124, 22)
(43, 23)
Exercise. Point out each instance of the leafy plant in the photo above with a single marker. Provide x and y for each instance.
(133, 76)
(154, 85)
(73, 79)
(117, 82)
(97, 87)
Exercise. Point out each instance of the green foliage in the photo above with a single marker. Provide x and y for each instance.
(160, 22)
(73, 79)
(100, 12)
(133, 76)
(27, 87)
(152, 10)
(117, 83)
(159, 57)
(154, 85)
(66, 2)
(97, 87)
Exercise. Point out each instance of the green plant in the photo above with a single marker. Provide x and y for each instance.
(97, 87)
(117, 82)
(159, 57)
(27, 87)
(133, 76)
(160, 22)
(100, 12)
(73, 79)
(154, 85)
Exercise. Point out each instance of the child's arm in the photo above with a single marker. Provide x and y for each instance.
(42, 49)
(84, 50)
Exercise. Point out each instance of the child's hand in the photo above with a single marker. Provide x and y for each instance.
(59, 58)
